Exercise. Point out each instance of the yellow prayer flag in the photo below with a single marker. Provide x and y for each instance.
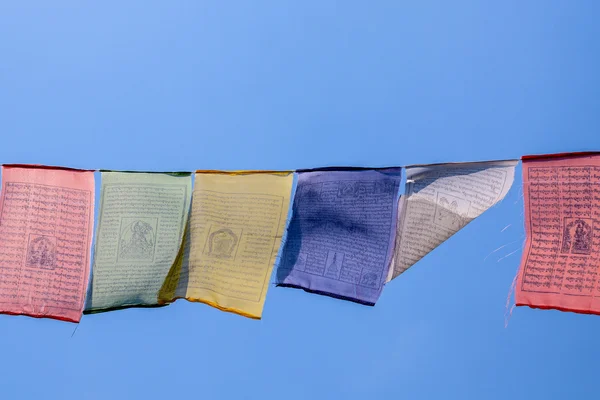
(236, 226)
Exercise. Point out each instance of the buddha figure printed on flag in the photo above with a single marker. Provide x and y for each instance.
(137, 240)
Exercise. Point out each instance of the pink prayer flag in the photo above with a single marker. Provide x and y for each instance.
(46, 222)
(561, 259)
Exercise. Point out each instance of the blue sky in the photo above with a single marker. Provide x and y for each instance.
(157, 85)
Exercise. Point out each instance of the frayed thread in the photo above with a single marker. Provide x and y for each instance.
(508, 312)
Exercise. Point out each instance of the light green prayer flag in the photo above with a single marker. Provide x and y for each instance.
(139, 234)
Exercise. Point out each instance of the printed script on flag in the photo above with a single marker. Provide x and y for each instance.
(340, 239)
(236, 226)
(140, 232)
(561, 260)
(440, 199)
(46, 224)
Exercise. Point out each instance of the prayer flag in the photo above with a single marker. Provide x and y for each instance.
(561, 260)
(440, 199)
(46, 222)
(340, 239)
(236, 225)
(139, 234)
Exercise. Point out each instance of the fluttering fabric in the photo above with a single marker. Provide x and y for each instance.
(440, 199)
(349, 233)
(236, 225)
(45, 238)
(139, 235)
(560, 265)
(340, 238)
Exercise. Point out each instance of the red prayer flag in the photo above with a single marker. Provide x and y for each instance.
(561, 261)
(46, 222)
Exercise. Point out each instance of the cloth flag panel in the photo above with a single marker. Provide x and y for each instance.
(440, 199)
(340, 238)
(46, 223)
(236, 226)
(561, 261)
(139, 234)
